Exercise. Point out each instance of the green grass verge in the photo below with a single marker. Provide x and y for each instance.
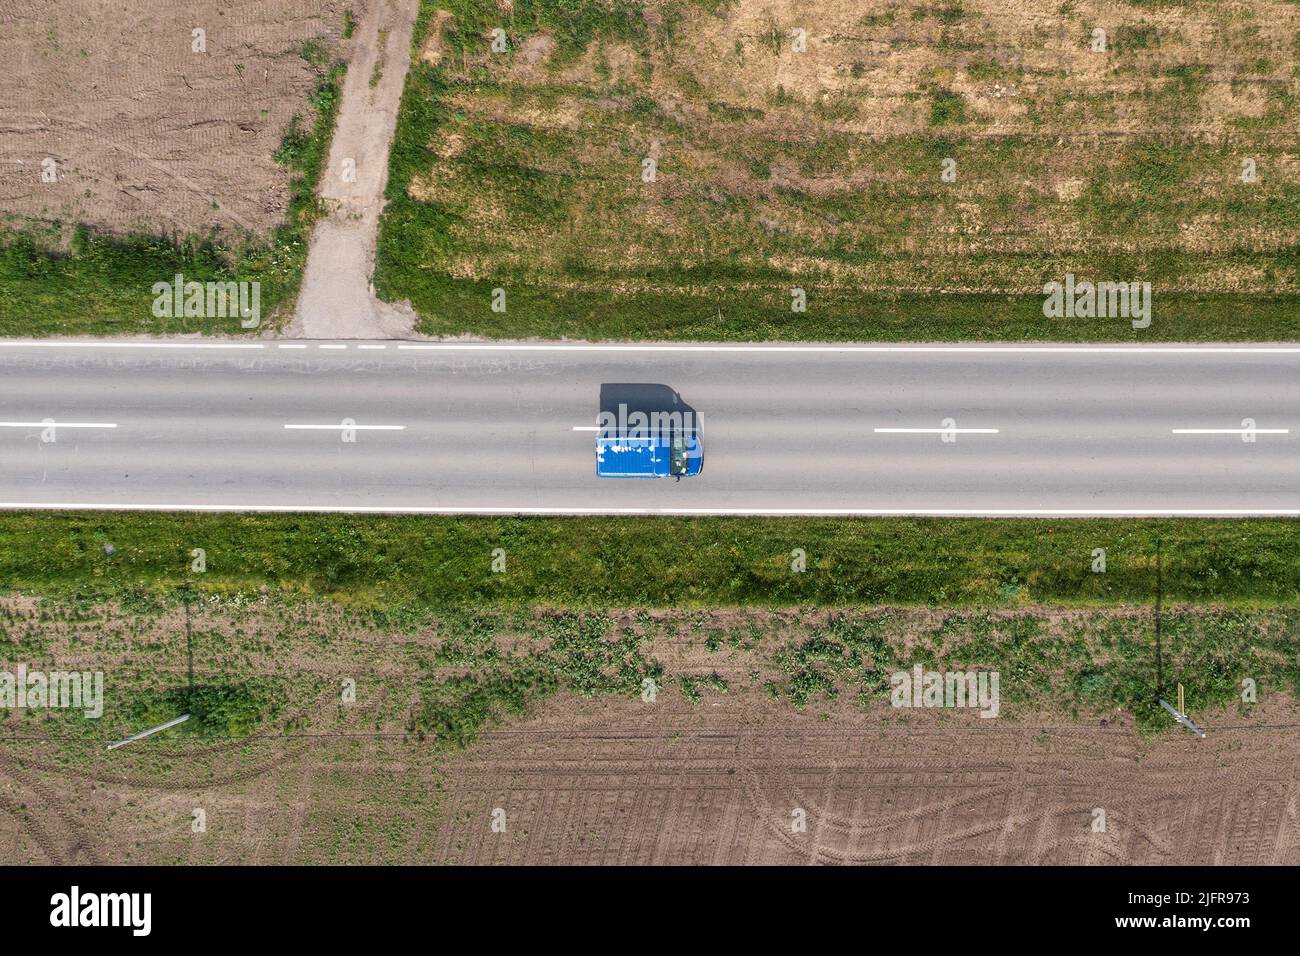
(454, 307)
(508, 640)
(396, 564)
(1091, 664)
(102, 284)
(272, 666)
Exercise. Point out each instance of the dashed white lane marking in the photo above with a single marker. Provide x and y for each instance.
(1232, 431)
(372, 346)
(331, 346)
(57, 425)
(359, 428)
(290, 345)
(936, 431)
(685, 512)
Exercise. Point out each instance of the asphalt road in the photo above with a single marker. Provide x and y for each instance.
(1058, 430)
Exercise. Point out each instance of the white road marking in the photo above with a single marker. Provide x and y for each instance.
(684, 512)
(372, 346)
(738, 348)
(586, 428)
(1051, 349)
(1232, 431)
(332, 346)
(360, 428)
(936, 431)
(290, 345)
(57, 425)
(111, 344)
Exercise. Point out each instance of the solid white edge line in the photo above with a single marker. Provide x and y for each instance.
(130, 345)
(682, 512)
(686, 347)
(1054, 349)
(57, 425)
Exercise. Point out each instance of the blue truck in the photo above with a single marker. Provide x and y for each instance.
(648, 446)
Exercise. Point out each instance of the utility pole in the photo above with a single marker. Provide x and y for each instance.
(189, 649)
(1179, 713)
(1160, 587)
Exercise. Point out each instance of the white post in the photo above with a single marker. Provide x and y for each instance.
(1182, 718)
(152, 730)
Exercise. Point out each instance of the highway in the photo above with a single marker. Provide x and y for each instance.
(259, 425)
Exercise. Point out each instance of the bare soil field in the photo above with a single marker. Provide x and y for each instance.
(541, 727)
(590, 783)
(146, 133)
(617, 782)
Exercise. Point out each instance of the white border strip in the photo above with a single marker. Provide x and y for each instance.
(680, 512)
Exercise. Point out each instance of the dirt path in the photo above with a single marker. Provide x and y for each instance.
(336, 299)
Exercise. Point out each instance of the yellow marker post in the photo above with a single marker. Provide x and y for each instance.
(1180, 714)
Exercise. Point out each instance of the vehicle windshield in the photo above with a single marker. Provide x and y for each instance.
(677, 465)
